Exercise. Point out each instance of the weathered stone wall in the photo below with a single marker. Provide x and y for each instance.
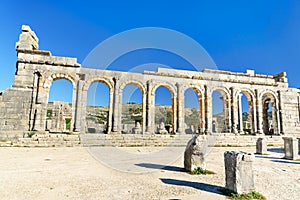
(23, 107)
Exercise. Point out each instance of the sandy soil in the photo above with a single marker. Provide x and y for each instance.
(73, 173)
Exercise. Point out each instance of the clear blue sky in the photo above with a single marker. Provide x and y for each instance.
(238, 35)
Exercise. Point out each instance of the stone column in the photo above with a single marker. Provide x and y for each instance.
(150, 110)
(174, 112)
(180, 109)
(291, 148)
(280, 113)
(74, 106)
(277, 120)
(83, 111)
(239, 172)
(40, 110)
(241, 130)
(234, 112)
(252, 110)
(208, 111)
(116, 106)
(202, 113)
(110, 111)
(261, 146)
(144, 114)
(259, 113)
(78, 107)
(227, 112)
(34, 100)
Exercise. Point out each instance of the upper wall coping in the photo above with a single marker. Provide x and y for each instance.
(281, 77)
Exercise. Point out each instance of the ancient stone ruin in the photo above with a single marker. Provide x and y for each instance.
(239, 172)
(261, 146)
(290, 148)
(24, 106)
(195, 152)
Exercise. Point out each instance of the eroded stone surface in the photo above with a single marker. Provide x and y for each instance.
(239, 171)
(261, 146)
(195, 152)
(291, 148)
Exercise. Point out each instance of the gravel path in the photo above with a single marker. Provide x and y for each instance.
(73, 173)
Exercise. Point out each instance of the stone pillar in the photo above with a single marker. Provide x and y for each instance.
(259, 113)
(252, 113)
(227, 112)
(277, 120)
(234, 111)
(241, 129)
(83, 111)
(239, 172)
(150, 110)
(202, 113)
(144, 114)
(116, 106)
(174, 112)
(261, 146)
(290, 148)
(40, 112)
(280, 113)
(208, 111)
(195, 152)
(110, 111)
(78, 107)
(180, 109)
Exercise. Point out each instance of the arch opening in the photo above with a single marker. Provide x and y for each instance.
(192, 115)
(269, 114)
(59, 117)
(132, 110)
(164, 110)
(98, 108)
(220, 112)
(245, 113)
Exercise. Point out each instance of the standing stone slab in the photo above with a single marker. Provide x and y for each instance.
(239, 171)
(290, 148)
(195, 152)
(261, 146)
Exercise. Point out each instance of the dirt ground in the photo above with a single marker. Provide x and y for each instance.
(74, 173)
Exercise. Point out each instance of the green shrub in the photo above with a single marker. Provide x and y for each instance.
(200, 171)
(245, 196)
(31, 133)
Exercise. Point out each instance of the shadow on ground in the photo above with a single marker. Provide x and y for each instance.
(286, 161)
(162, 167)
(199, 186)
(268, 157)
(276, 150)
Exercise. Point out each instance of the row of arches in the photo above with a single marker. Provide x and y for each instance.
(217, 110)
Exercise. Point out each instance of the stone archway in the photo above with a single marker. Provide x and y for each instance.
(270, 115)
(197, 123)
(225, 97)
(171, 128)
(140, 125)
(83, 107)
(246, 122)
(63, 113)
